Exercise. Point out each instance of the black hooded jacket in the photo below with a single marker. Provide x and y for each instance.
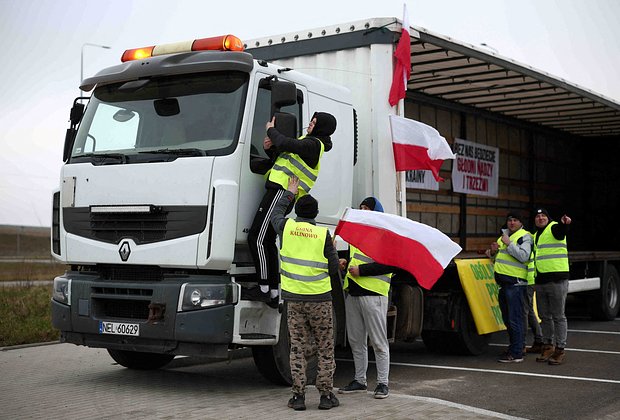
(308, 148)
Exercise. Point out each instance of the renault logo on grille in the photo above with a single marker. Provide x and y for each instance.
(124, 251)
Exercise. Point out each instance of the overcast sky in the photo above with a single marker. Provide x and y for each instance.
(41, 42)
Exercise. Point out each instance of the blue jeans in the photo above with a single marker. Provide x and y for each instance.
(511, 304)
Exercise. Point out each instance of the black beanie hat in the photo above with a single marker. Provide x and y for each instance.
(543, 211)
(325, 124)
(307, 207)
(514, 214)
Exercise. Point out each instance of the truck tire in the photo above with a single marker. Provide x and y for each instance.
(140, 360)
(607, 301)
(274, 363)
(464, 340)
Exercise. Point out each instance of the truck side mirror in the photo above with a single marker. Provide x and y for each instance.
(282, 94)
(75, 116)
(286, 124)
(77, 111)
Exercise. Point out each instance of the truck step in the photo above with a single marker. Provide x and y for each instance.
(256, 336)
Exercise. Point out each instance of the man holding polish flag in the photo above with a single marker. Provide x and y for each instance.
(419, 249)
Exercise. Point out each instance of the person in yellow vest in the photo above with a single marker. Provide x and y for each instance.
(367, 284)
(511, 254)
(552, 274)
(293, 157)
(308, 265)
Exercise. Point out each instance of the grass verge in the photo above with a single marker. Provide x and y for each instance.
(30, 270)
(25, 315)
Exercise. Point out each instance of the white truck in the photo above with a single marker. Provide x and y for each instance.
(163, 174)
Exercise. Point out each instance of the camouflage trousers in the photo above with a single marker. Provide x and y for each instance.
(311, 329)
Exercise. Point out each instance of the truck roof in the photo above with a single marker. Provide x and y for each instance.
(445, 70)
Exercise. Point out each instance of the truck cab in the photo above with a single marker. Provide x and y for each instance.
(163, 173)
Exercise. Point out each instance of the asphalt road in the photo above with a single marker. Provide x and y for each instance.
(587, 386)
(66, 381)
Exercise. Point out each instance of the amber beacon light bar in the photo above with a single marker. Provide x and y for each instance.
(216, 43)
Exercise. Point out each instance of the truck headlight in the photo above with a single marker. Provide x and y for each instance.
(201, 296)
(62, 290)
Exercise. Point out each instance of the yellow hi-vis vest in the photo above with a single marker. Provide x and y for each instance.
(531, 270)
(378, 284)
(550, 254)
(289, 164)
(507, 264)
(303, 265)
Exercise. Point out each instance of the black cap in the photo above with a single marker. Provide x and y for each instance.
(307, 207)
(543, 211)
(515, 214)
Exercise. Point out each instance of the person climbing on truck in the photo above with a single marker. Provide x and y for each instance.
(295, 157)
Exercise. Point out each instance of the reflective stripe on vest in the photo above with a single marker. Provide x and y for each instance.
(507, 264)
(378, 284)
(531, 270)
(303, 266)
(551, 255)
(289, 164)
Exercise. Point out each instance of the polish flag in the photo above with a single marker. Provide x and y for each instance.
(418, 146)
(402, 66)
(415, 247)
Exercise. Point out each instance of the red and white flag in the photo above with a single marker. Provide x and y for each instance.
(415, 247)
(402, 66)
(418, 146)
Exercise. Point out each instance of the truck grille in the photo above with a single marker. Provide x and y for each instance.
(121, 302)
(145, 273)
(126, 309)
(162, 223)
(143, 227)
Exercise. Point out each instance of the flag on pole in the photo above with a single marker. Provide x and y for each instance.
(418, 146)
(402, 67)
(415, 247)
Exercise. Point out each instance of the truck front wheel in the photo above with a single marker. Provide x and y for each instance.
(274, 363)
(140, 360)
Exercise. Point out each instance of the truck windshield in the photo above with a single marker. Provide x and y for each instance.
(162, 118)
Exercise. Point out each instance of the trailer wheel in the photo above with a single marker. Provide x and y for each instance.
(274, 363)
(463, 340)
(607, 303)
(140, 360)
(469, 341)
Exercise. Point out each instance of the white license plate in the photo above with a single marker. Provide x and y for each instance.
(119, 328)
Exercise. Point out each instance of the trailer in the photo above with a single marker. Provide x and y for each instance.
(160, 184)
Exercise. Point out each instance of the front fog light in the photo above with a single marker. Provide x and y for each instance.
(62, 290)
(201, 296)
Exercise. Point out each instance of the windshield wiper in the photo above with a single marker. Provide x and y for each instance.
(102, 158)
(178, 152)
